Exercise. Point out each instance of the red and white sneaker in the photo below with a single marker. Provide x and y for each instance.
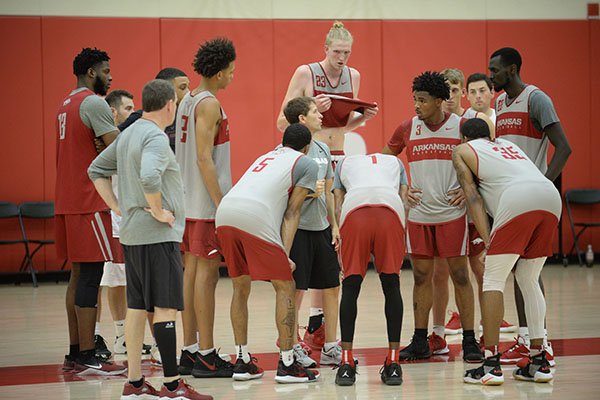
(295, 373)
(93, 366)
(514, 353)
(315, 340)
(506, 327)
(453, 327)
(437, 344)
(550, 354)
(246, 372)
(144, 392)
(183, 392)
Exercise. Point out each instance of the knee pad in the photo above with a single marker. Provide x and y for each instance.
(86, 294)
(497, 269)
(389, 281)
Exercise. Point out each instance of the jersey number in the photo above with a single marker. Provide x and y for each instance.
(184, 128)
(509, 153)
(262, 164)
(320, 81)
(62, 125)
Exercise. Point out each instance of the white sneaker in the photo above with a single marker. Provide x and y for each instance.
(155, 359)
(302, 357)
(119, 347)
(333, 356)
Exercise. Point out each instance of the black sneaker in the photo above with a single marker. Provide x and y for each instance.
(69, 363)
(391, 374)
(471, 350)
(534, 369)
(346, 375)
(186, 362)
(246, 372)
(96, 366)
(295, 373)
(418, 349)
(211, 366)
(146, 349)
(489, 374)
(102, 351)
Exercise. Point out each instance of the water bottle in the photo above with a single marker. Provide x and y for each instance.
(589, 256)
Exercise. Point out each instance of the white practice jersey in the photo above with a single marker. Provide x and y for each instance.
(198, 203)
(510, 183)
(371, 181)
(256, 203)
(470, 113)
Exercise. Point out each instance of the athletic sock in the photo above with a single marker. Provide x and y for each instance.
(348, 357)
(545, 337)
(421, 333)
(439, 330)
(470, 334)
(97, 329)
(242, 352)
(393, 356)
(287, 356)
(192, 348)
(166, 338)
(172, 385)
(207, 351)
(120, 328)
(137, 384)
(74, 350)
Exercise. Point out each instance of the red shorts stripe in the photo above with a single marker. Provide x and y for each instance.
(84, 238)
(246, 254)
(447, 239)
(529, 235)
(361, 236)
(200, 239)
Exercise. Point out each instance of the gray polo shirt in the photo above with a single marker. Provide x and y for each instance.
(314, 210)
(142, 158)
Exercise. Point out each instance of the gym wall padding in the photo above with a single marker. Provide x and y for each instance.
(561, 57)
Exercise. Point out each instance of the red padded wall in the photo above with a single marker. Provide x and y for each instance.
(561, 57)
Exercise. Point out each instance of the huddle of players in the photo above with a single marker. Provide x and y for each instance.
(257, 223)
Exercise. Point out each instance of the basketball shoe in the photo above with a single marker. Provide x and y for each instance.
(186, 362)
(471, 351)
(316, 339)
(144, 392)
(306, 347)
(514, 353)
(418, 349)
(534, 369)
(211, 366)
(333, 356)
(437, 344)
(102, 350)
(121, 348)
(182, 392)
(295, 373)
(95, 366)
(346, 375)
(391, 373)
(302, 357)
(247, 371)
(454, 326)
(489, 373)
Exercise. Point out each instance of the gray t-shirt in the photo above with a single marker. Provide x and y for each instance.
(95, 114)
(314, 210)
(142, 158)
(541, 110)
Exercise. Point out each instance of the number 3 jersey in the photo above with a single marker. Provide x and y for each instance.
(510, 183)
(258, 201)
(198, 203)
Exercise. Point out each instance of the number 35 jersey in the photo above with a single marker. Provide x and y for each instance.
(257, 202)
(510, 183)
(198, 203)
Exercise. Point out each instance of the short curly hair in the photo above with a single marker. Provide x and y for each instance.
(88, 58)
(433, 83)
(213, 56)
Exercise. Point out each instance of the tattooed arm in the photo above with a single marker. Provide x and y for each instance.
(464, 162)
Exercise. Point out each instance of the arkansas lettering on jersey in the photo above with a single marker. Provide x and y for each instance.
(75, 151)
(198, 203)
(322, 85)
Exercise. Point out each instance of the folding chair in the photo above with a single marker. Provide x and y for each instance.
(581, 197)
(10, 210)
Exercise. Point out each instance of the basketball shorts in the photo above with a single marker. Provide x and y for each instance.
(448, 239)
(200, 239)
(113, 275)
(317, 265)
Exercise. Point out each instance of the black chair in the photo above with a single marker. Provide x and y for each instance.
(580, 197)
(10, 210)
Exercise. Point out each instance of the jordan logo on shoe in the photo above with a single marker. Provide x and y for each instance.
(345, 375)
(394, 373)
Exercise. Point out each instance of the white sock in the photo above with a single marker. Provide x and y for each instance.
(120, 328)
(207, 351)
(328, 346)
(439, 330)
(287, 356)
(97, 329)
(192, 348)
(545, 338)
(315, 311)
(242, 352)
(524, 333)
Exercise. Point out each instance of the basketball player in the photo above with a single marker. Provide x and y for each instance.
(202, 149)
(313, 250)
(83, 223)
(329, 76)
(369, 188)
(480, 94)
(526, 207)
(437, 224)
(151, 200)
(256, 223)
(526, 116)
(456, 81)
(181, 83)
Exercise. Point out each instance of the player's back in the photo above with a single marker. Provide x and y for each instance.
(257, 202)
(371, 180)
(509, 181)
